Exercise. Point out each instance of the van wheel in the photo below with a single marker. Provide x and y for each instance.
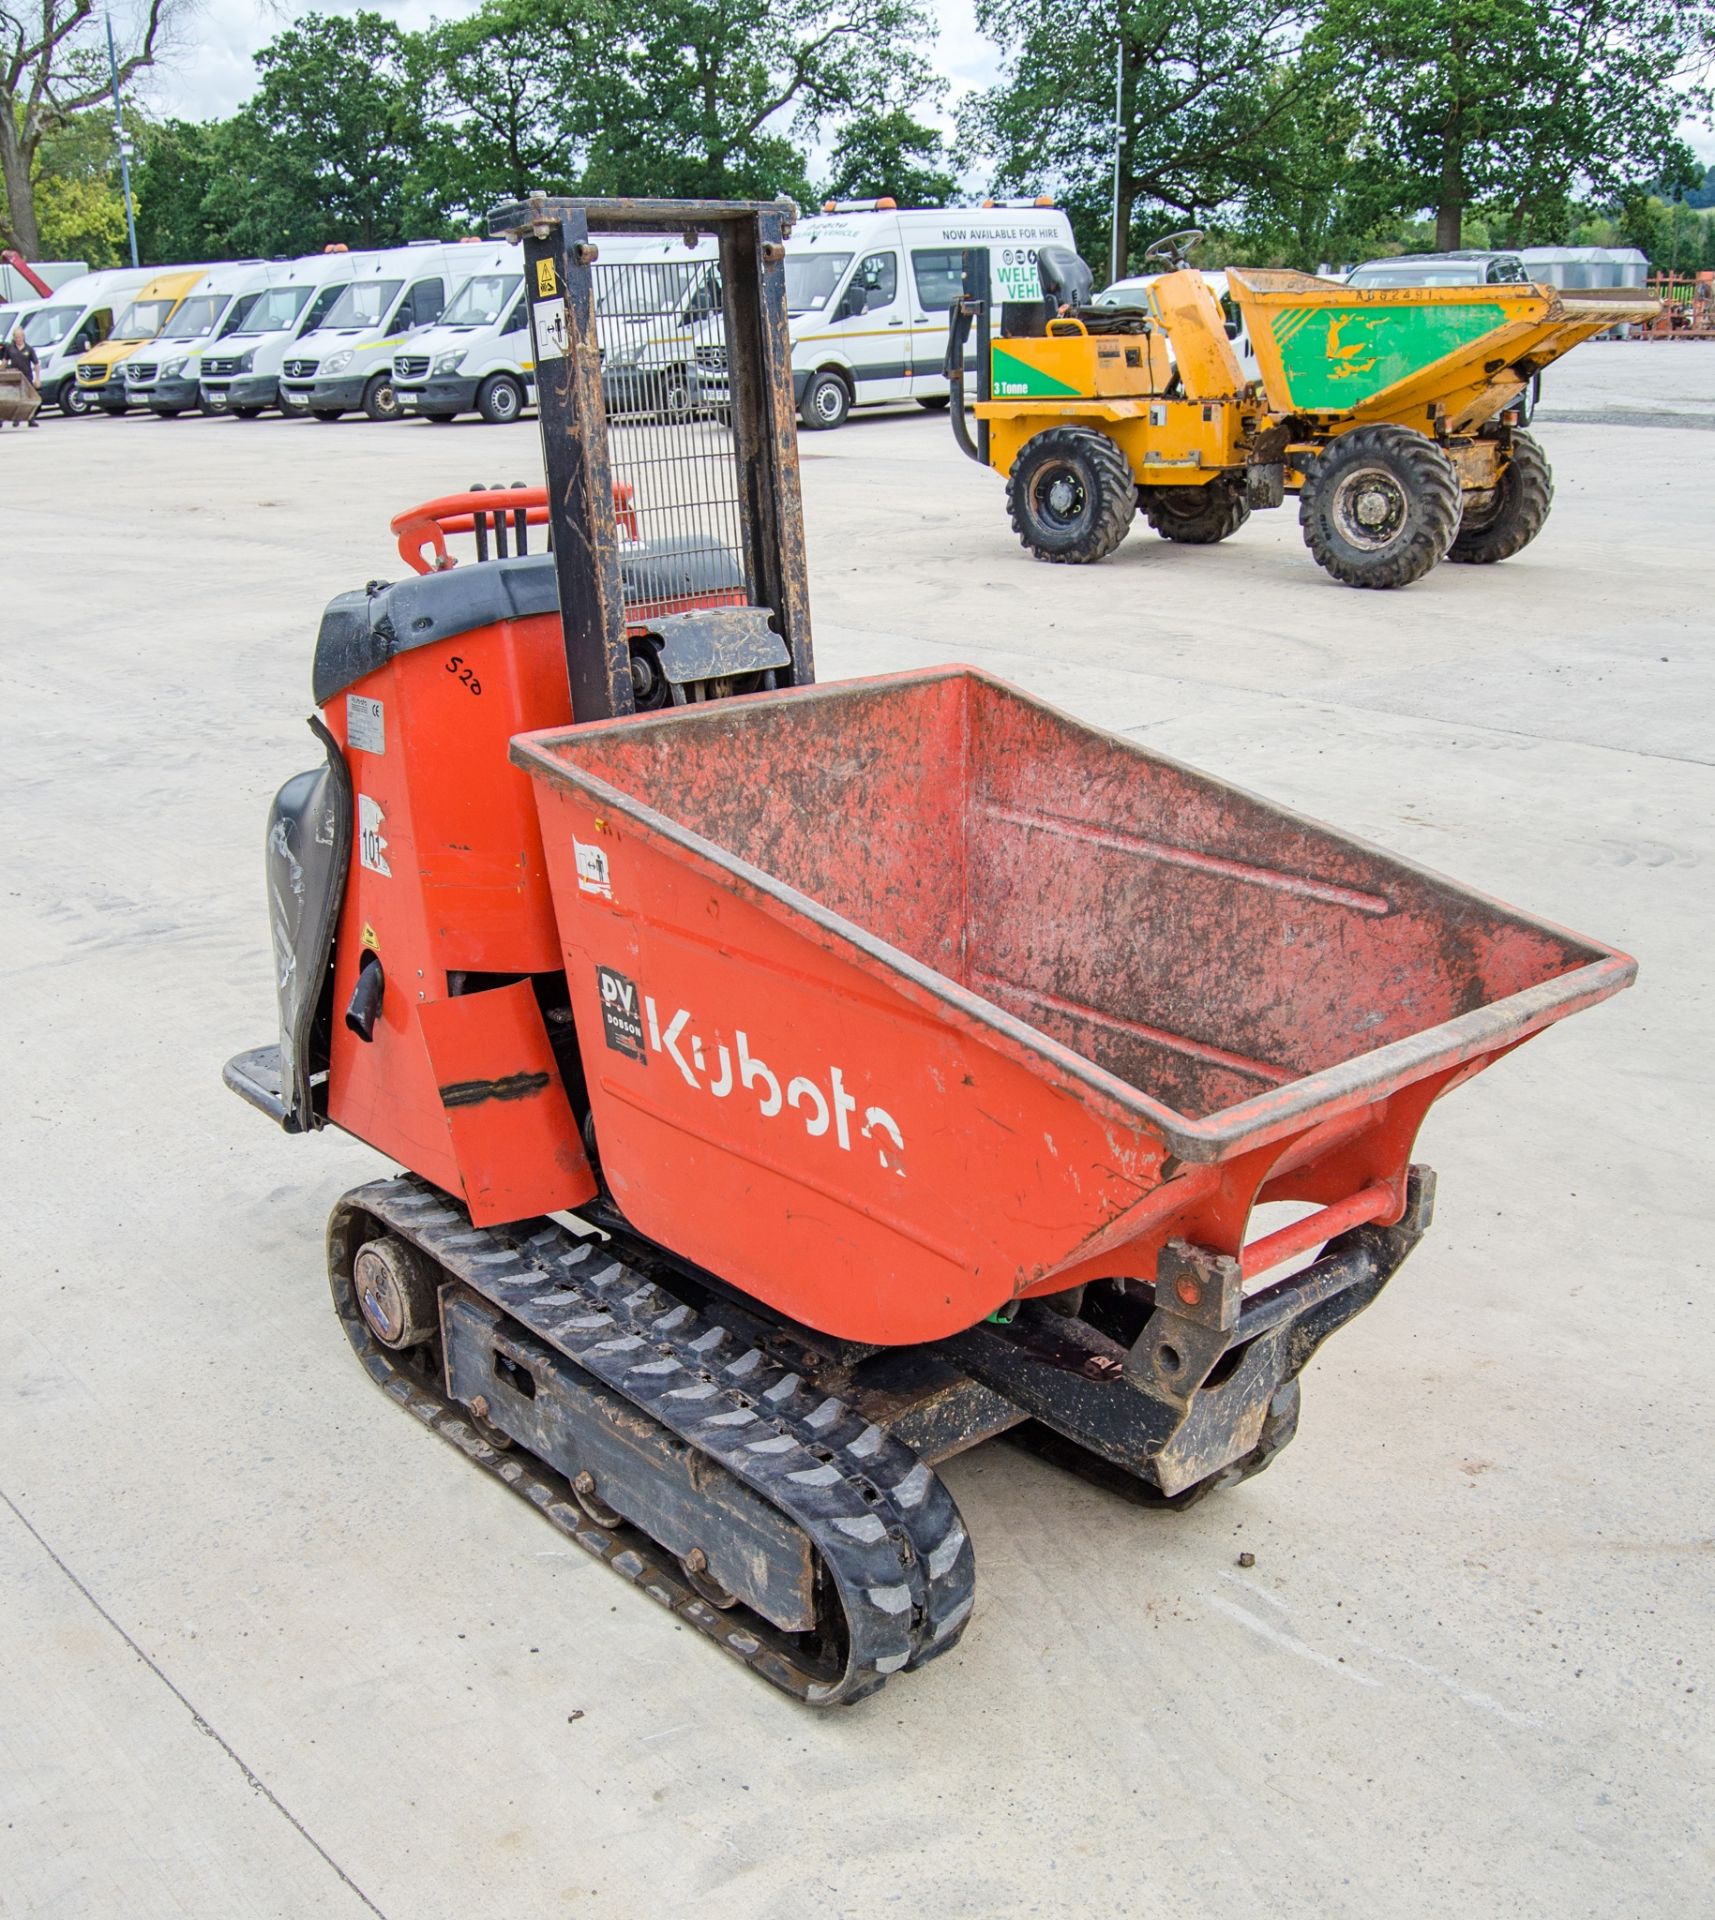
(74, 403)
(380, 402)
(826, 402)
(327, 413)
(675, 394)
(934, 402)
(440, 414)
(499, 399)
(1071, 496)
(247, 413)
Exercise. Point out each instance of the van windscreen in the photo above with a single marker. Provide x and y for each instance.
(195, 317)
(274, 309)
(365, 303)
(143, 319)
(811, 279)
(641, 288)
(479, 301)
(48, 326)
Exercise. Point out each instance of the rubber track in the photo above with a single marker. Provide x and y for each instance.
(884, 1525)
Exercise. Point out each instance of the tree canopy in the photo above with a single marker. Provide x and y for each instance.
(1297, 131)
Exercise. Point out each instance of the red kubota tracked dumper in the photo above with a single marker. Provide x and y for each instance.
(909, 1057)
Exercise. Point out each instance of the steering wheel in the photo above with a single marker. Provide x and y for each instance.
(1172, 248)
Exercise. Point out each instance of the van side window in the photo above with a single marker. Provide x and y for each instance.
(516, 319)
(238, 312)
(940, 276)
(318, 307)
(877, 278)
(423, 304)
(94, 330)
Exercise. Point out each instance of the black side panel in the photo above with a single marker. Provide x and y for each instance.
(308, 854)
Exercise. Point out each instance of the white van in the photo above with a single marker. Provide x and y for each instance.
(164, 377)
(868, 286)
(1133, 292)
(240, 375)
(650, 293)
(79, 315)
(477, 355)
(347, 361)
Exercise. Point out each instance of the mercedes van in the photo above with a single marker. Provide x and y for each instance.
(164, 377)
(100, 381)
(869, 285)
(78, 315)
(650, 292)
(347, 362)
(240, 375)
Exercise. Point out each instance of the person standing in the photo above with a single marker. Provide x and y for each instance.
(22, 359)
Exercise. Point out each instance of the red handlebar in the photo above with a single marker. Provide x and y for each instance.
(488, 512)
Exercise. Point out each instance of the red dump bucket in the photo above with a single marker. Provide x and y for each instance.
(901, 998)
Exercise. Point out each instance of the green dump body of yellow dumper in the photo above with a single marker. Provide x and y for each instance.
(1347, 355)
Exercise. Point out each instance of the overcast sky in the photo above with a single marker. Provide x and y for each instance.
(210, 72)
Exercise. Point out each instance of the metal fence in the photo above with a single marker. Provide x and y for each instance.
(660, 329)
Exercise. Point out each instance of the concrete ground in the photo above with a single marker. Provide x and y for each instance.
(267, 1649)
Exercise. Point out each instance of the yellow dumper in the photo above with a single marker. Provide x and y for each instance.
(1391, 413)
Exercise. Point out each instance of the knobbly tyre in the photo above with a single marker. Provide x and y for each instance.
(1392, 413)
(870, 1033)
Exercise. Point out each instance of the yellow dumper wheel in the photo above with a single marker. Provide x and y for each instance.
(1380, 507)
(1071, 496)
(1507, 518)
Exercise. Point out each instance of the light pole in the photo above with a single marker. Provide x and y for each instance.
(124, 144)
(1117, 253)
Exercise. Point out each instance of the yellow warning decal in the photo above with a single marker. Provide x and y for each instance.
(545, 287)
(369, 939)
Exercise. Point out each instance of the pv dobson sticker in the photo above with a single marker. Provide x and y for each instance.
(634, 1027)
(621, 1015)
(371, 841)
(365, 724)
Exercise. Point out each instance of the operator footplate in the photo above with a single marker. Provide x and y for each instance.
(807, 1541)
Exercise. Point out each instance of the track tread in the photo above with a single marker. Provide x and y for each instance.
(886, 1528)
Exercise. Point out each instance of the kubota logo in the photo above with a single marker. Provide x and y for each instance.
(633, 1026)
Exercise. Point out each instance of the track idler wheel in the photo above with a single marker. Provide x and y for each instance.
(1380, 507)
(395, 1287)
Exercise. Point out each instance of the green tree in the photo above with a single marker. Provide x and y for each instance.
(338, 130)
(53, 65)
(711, 95)
(515, 93)
(879, 154)
(80, 211)
(1203, 87)
(1523, 103)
